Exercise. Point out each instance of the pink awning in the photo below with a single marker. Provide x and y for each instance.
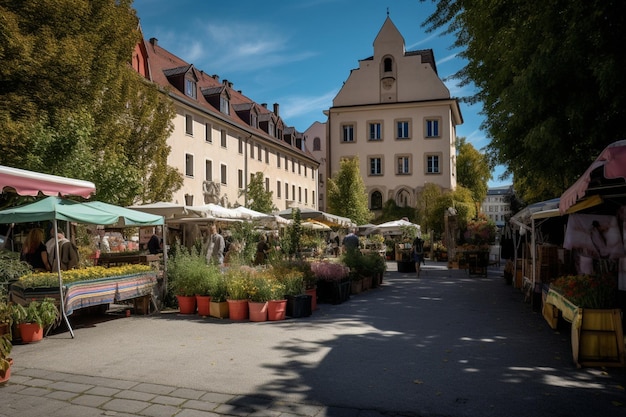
(32, 183)
(612, 158)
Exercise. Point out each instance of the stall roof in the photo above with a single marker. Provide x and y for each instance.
(128, 217)
(32, 183)
(57, 208)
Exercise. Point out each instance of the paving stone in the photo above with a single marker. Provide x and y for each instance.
(69, 386)
(200, 405)
(196, 413)
(153, 388)
(126, 406)
(168, 400)
(135, 395)
(217, 398)
(190, 394)
(159, 410)
(105, 391)
(62, 395)
(90, 400)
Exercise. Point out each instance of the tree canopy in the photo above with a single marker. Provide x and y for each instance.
(258, 197)
(71, 105)
(549, 75)
(347, 195)
(472, 169)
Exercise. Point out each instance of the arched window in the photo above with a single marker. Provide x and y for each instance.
(317, 144)
(388, 65)
(403, 198)
(376, 201)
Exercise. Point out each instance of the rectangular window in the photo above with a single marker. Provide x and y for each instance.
(208, 132)
(299, 169)
(189, 124)
(240, 146)
(286, 164)
(224, 105)
(278, 189)
(208, 170)
(223, 140)
(278, 159)
(305, 170)
(404, 165)
(190, 88)
(402, 130)
(240, 178)
(348, 133)
(267, 156)
(223, 178)
(267, 184)
(286, 191)
(376, 166)
(306, 196)
(293, 165)
(258, 152)
(189, 165)
(293, 192)
(432, 164)
(313, 198)
(299, 194)
(432, 128)
(375, 131)
(251, 150)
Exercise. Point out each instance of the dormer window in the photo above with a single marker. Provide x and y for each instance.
(190, 88)
(224, 104)
(270, 130)
(254, 121)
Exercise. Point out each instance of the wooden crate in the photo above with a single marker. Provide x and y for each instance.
(598, 338)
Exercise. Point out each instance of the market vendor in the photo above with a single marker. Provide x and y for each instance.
(34, 251)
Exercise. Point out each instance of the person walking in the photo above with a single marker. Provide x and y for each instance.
(215, 251)
(418, 254)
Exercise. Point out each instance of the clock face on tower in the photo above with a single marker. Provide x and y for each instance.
(388, 82)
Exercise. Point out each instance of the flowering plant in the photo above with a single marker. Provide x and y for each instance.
(481, 231)
(239, 282)
(330, 271)
(587, 291)
(51, 279)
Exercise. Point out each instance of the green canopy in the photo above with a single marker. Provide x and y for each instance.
(128, 217)
(56, 208)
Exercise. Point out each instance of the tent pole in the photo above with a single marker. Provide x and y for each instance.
(58, 262)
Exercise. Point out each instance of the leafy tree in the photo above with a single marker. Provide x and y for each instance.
(258, 197)
(347, 195)
(461, 200)
(71, 105)
(473, 170)
(550, 77)
(391, 211)
(426, 204)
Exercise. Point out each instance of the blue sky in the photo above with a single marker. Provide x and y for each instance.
(298, 53)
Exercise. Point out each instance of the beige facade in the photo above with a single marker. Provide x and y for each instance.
(496, 205)
(221, 138)
(396, 115)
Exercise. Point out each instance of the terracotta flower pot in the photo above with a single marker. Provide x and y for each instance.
(5, 375)
(186, 304)
(204, 304)
(238, 309)
(276, 310)
(30, 332)
(257, 310)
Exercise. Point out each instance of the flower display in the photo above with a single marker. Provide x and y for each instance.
(51, 279)
(481, 231)
(588, 291)
(330, 271)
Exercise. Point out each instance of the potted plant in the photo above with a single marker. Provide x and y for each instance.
(5, 360)
(207, 279)
(238, 282)
(219, 306)
(333, 284)
(34, 318)
(259, 293)
(185, 274)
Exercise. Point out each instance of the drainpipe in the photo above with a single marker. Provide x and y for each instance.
(245, 172)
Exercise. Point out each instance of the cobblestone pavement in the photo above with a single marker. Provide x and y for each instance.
(446, 344)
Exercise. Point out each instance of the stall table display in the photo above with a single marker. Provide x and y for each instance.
(82, 294)
(404, 257)
(477, 261)
(120, 258)
(596, 334)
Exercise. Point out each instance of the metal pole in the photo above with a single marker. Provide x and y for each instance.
(58, 262)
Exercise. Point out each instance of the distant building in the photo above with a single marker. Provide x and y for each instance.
(497, 205)
(396, 115)
(221, 137)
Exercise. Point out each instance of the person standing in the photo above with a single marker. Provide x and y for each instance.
(34, 251)
(262, 249)
(215, 251)
(418, 254)
(351, 241)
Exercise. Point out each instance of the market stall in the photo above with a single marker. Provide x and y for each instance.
(57, 209)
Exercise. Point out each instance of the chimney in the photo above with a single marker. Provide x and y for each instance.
(215, 77)
(264, 105)
(154, 41)
(225, 82)
(276, 108)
